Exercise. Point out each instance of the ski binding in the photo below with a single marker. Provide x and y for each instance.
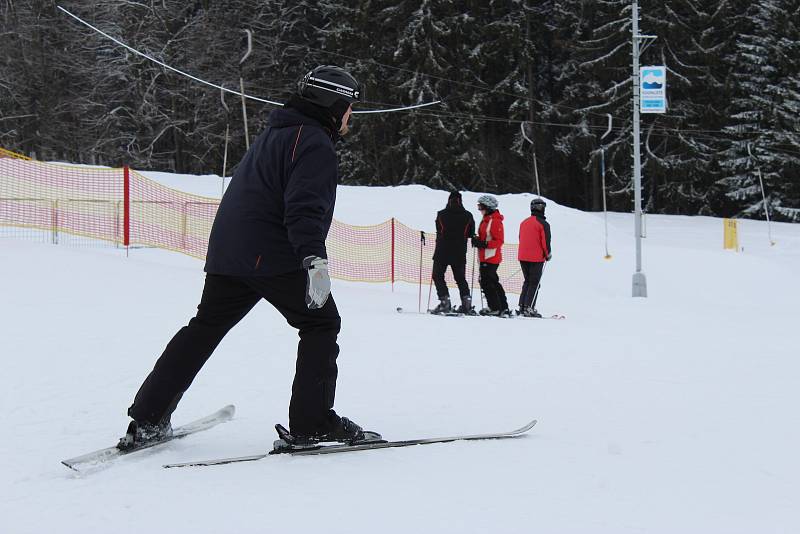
(102, 456)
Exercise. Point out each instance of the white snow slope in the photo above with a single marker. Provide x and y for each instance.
(671, 414)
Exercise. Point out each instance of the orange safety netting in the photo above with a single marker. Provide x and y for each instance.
(125, 208)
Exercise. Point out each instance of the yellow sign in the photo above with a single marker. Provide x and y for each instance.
(731, 241)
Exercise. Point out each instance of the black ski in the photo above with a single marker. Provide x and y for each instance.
(450, 314)
(96, 458)
(441, 314)
(335, 449)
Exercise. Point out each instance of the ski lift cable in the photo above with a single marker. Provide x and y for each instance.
(221, 88)
(709, 135)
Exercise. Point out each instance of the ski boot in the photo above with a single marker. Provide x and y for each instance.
(466, 306)
(142, 433)
(530, 312)
(344, 431)
(443, 307)
(496, 313)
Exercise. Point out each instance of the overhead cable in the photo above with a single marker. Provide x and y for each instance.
(221, 88)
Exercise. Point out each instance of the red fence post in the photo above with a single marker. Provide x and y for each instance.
(392, 254)
(126, 202)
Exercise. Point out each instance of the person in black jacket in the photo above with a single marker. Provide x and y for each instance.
(268, 241)
(454, 226)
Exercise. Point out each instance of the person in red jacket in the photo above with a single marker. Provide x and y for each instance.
(534, 250)
(489, 243)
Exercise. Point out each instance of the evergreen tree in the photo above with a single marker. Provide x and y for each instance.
(681, 164)
(784, 140)
(559, 65)
(597, 82)
(763, 124)
(429, 145)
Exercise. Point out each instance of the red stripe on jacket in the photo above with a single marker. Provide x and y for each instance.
(296, 141)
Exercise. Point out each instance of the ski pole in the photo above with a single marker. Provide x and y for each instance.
(472, 282)
(421, 242)
(483, 305)
(536, 294)
(430, 288)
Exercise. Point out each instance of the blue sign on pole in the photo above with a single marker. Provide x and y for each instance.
(653, 88)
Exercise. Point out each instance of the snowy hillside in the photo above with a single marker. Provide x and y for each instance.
(675, 413)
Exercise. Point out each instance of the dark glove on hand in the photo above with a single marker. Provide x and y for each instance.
(478, 243)
(549, 257)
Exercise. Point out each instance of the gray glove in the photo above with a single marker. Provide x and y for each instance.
(318, 285)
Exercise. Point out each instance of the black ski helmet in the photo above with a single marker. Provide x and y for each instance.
(327, 84)
(538, 205)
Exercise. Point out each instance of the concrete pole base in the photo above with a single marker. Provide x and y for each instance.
(639, 285)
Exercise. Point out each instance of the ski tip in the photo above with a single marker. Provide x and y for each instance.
(526, 427)
(228, 411)
(183, 464)
(69, 466)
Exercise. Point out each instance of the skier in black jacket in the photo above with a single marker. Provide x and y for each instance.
(268, 241)
(454, 226)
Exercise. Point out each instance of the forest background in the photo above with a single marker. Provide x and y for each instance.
(559, 66)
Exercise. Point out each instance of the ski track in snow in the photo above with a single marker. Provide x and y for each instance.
(675, 413)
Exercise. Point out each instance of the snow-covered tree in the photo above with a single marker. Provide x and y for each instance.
(561, 65)
(681, 157)
(763, 124)
(597, 81)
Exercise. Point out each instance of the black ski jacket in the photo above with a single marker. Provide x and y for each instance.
(279, 205)
(454, 226)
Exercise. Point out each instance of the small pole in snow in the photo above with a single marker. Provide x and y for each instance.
(603, 174)
(227, 131)
(763, 196)
(241, 85)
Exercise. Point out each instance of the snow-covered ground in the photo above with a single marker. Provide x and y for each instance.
(675, 413)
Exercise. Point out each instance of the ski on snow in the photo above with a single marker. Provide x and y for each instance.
(96, 458)
(456, 314)
(366, 446)
(554, 316)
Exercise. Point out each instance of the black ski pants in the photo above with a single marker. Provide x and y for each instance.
(532, 272)
(225, 301)
(459, 273)
(492, 289)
